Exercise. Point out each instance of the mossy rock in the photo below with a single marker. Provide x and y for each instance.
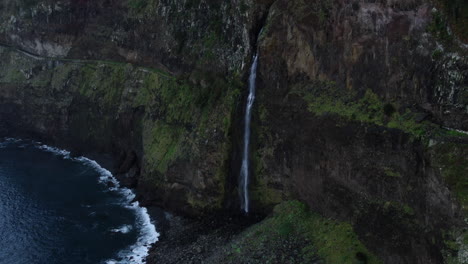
(294, 234)
(452, 160)
(326, 98)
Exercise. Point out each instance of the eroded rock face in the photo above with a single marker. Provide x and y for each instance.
(172, 34)
(379, 45)
(381, 179)
(175, 131)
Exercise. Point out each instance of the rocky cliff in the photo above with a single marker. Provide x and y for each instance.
(352, 94)
(353, 98)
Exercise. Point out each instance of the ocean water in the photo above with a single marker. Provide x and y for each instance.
(59, 209)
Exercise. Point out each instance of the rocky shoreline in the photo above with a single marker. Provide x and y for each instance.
(186, 240)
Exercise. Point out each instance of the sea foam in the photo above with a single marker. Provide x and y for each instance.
(123, 229)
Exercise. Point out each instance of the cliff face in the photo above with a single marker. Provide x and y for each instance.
(177, 35)
(349, 95)
(351, 100)
(148, 120)
(157, 125)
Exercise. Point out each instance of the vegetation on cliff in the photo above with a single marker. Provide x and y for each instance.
(452, 159)
(178, 121)
(457, 14)
(184, 119)
(324, 98)
(293, 234)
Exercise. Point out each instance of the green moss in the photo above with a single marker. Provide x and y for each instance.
(103, 83)
(455, 133)
(183, 119)
(174, 99)
(141, 8)
(14, 76)
(41, 80)
(263, 190)
(61, 75)
(209, 44)
(137, 5)
(452, 159)
(332, 241)
(437, 54)
(438, 28)
(318, 13)
(456, 246)
(325, 98)
(401, 209)
(391, 173)
(456, 13)
(265, 195)
(262, 113)
(408, 209)
(406, 122)
(202, 203)
(366, 109)
(161, 144)
(152, 84)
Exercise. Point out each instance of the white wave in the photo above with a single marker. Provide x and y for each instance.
(139, 251)
(54, 150)
(123, 229)
(148, 235)
(13, 140)
(5, 142)
(8, 141)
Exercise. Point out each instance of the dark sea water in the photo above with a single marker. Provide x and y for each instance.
(57, 209)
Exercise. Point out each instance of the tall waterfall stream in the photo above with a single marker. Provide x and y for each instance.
(244, 174)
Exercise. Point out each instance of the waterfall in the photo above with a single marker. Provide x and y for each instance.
(244, 174)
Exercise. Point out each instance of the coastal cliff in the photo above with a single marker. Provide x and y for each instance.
(354, 99)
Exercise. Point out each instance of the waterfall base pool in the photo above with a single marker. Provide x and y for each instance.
(58, 209)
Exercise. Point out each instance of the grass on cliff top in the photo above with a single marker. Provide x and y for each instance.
(293, 234)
